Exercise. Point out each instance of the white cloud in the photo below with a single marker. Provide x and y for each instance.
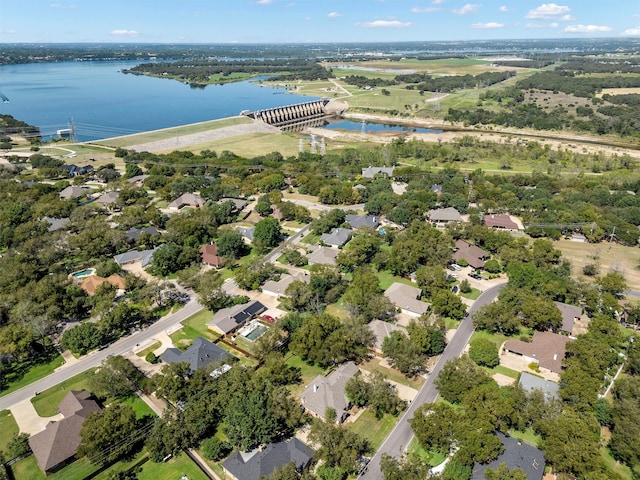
(633, 32)
(540, 25)
(64, 7)
(567, 18)
(264, 2)
(385, 24)
(503, 8)
(489, 25)
(334, 15)
(548, 10)
(437, 2)
(468, 8)
(7, 32)
(121, 33)
(586, 28)
(425, 10)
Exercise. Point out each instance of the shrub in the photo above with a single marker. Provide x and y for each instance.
(534, 366)
(215, 449)
(484, 352)
(591, 270)
(151, 357)
(465, 287)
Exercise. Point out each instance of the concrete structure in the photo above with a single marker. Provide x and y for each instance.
(201, 354)
(338, 237)
(529, 383)
(192, 200)
(261, 462)
(407, 299)
(371, 172)
(57, 444)
(570, 314)
(547, 349)
(474, 256)
(292, 114)
(328, 392)
(228, 320)
(516, 455)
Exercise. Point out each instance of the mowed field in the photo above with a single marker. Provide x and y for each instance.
(609, 256)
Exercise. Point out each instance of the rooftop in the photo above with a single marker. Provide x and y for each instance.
(547, 348)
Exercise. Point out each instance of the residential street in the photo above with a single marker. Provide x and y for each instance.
(401, 436)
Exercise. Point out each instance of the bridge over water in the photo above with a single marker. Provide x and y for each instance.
(289, 116)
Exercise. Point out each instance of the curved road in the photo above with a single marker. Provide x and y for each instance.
(400, 437)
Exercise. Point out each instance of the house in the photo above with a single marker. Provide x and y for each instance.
(246, 233)
(371, 172)
(328, 392)
(108, 199)
(56, 445)
(192, 200)
(144, 257)
(238, 204)
(69, 170)
(133, 233)
(382, 330)
(201, 354)
(323, 255)
(437, 189)
(516, 455)
(442, 216)
(138, 179)
(406, 298)
(228, 320)
(84, 170)
(500, 221)
(56, 223)
(73, 191)
(277, 288)
(338, 237)
(547, 349)
(91, 283)
(261, 462)
(570, 314)
(474, 256)
(362, 221)
(529, 383)
(209, 254)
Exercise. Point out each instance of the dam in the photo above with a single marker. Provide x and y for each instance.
(289, 116)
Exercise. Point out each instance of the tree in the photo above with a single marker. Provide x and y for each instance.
(167, 259)
(249, 421)
(109, 435)
(267, 234)
(484, 352)
(16, 340)
(339, 447)
(458, 376)
(82, 339)
(409, 468)
(299, 297)
(431, 279)
(210, 291)
(429, 339)
(230, 244)
(403, 354)
(215, 449)
(613, 283)
(447, 304)
(365, 298)
(496, 317)
(434, 425)
(117, 377)
(383, 397)
(358, 391)
(503, 473)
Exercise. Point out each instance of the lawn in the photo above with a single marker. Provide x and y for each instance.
(139, 406)
(497, 338)
(46, 403)
(528, 436)
(21, 374)
(374, 365)
(472, 295)
(386, 278)
(193, 327)
(173, 469)
(432, 458)
(149, 349)
(614, 466)
(8, 427)
(250, 145)
(504, 371)
(309, 372)
(27, 469)
(374, 430)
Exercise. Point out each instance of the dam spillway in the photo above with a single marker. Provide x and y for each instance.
(290, 115)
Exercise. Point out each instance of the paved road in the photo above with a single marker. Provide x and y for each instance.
(400, 437)
(95, 358)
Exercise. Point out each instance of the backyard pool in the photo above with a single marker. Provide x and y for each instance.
(84, 273)
(255, 333)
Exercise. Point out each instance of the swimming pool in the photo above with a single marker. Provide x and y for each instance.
(84, 273)
(256, 333)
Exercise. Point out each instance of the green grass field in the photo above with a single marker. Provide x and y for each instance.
(309, 372)
(149, 349)
(139, 406)
(374, 430)
(8, 427)
(32, 373)
(432, 458)
(46, 403)
(374, 365)
(193, 327)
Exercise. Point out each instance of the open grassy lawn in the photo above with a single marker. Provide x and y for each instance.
(432, 458)
(149, 349)
(337, 311)
(374, 430)
(495, 338)
(613, 465)
(173, 469)
(20, 374)
(250, 145)
(386, 278)
(193, 327)
(472, 295)
(172, 132)
(27, 469)
(8, 427)
(46, 403)
(139, 406)
(309, 372)
(504, 371)
(528, 436)
(374, 365)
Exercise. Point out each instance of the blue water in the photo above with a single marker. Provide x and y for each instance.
(257, 333)
(376, 127)
(103, 102)
(83, 273)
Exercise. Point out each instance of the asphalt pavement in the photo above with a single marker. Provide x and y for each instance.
(400, 437)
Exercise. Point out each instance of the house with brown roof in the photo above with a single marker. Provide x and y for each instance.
(570, 313)
(547, 349)
(443, 216)
(407, 299)
(108, 199)
(474, 256)
(500, 221)
(192, 200)
(90, 284)
(209, 254)
(328, 392)
(323, 256)
(57, 444)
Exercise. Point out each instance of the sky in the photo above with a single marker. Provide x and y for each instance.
(312, 21)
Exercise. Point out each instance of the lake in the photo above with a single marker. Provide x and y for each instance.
(370, 127)
(102, 102)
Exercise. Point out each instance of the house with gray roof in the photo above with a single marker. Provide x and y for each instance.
(228, 320)
(529, 383)
(261, 462)
(371, 172)
(246, 233)
(362, 221)
(145, 257)
(382, 330)
(133, 233)
(56, 445)
(407, 299)
(516, 454)
(323, 256)
(107, 199)
(192, 200)
(570, 313)
(56, 223)
(138, 179)
(238, 203)
(279, 287)
(73, 191)
(338, 237)
(200, 354)
(442, 216)
(328, 392)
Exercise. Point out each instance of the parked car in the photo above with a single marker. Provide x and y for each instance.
(454, 289)
(455, 266)
(475, 275)
(269, 318)
(450, 267)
